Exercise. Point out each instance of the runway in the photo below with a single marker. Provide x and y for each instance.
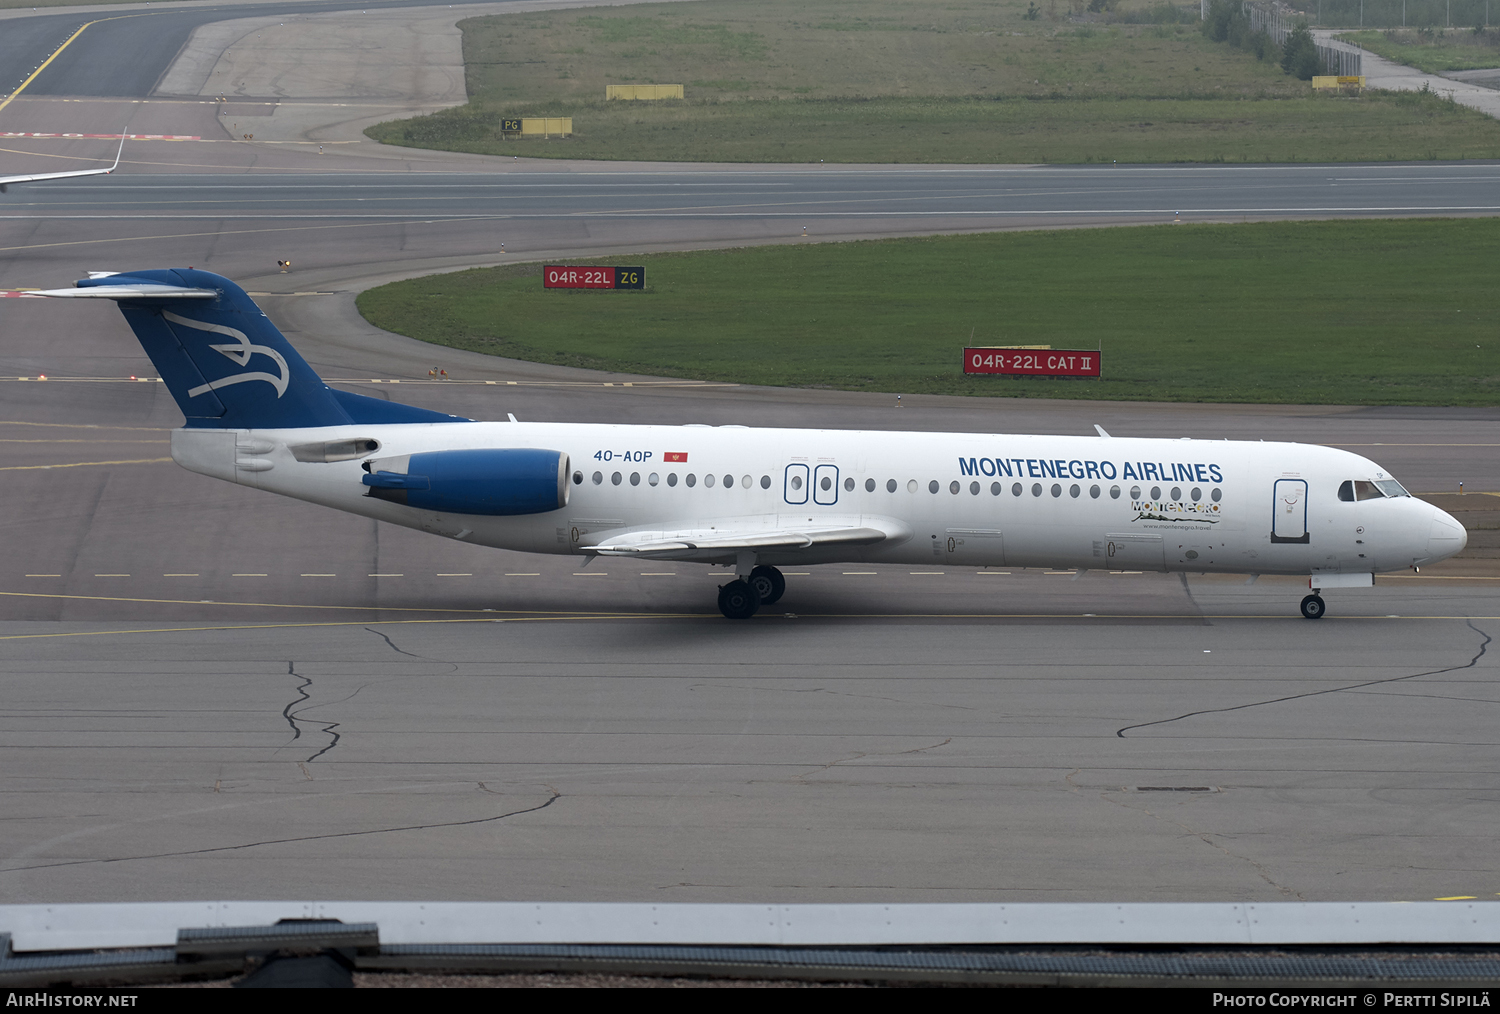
(213, 692)
(943, 196)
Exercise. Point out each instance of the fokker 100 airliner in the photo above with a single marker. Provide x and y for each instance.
(755, 499)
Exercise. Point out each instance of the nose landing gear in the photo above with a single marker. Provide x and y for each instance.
(1313, 607)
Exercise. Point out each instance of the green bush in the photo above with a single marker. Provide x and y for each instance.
(1225, 22)
(1299, 56)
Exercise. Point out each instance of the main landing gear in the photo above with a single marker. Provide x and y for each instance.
(1313, 607)
(738, 600)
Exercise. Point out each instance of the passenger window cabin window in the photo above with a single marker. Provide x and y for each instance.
(729, 481)
(1215, 495)
(796, 482)
(1156, 492)
(994, 489)
(1135, 492)
(578, 478)
(765, 482)
(1015, 490)
(911, 485)
(869, 485)
(691, 480)
(708, 481)
(932, 487)
(1036, 489)
(653, 478)
(827, 484)
(974, 488)
(616, 478)
(635, 478)
(671, 478)
(598, 478)
(890, 485)
(849, 485)
(1094, 492)
(745, 481)
(1114, 492)
(1073, 491)
(953, 487)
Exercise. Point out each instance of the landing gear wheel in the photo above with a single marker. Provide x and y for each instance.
(769, 582)
(738, 600)
(1313, 607)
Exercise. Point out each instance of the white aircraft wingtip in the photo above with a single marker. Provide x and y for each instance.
(1101, 430)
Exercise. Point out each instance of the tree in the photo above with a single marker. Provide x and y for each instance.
(1221, 13)
(1299, 55)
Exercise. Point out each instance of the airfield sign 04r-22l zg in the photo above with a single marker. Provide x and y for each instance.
(576, 276)
(756, 499)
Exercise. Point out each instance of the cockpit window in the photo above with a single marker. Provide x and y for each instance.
(1360, 489)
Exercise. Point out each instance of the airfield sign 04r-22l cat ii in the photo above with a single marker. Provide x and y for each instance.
(757, 499)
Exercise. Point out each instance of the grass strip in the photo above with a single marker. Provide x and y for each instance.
(883, 81)
(1390, 312)
(1434, 51)
(1325, 128)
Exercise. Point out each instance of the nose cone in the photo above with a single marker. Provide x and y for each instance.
(1447, 536)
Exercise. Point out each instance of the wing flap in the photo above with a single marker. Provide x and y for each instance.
(722, 540)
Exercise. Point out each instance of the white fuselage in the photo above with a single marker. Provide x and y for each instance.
(958, 499)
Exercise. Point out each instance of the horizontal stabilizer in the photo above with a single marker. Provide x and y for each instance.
(6, 181)
(129, 292)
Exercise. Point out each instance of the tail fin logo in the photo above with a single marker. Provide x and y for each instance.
(240, 353)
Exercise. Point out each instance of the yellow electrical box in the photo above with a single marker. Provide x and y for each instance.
(545, 126)
(1330, 81)
(643, 92)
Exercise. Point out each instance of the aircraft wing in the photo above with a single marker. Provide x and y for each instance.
(39, 177)
(737, 534)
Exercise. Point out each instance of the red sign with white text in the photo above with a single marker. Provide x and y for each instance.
(1033, 362)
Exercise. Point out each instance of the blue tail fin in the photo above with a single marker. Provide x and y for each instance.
(226, 363)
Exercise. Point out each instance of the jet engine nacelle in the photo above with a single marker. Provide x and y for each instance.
(494, 481)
